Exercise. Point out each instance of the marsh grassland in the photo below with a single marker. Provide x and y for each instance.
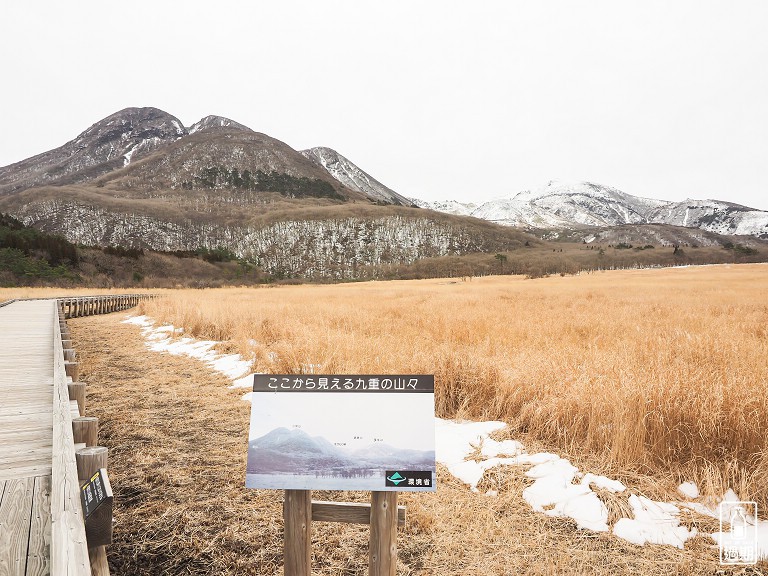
(653, 370)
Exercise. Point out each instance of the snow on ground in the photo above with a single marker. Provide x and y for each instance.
(161, 339)
(559, 489)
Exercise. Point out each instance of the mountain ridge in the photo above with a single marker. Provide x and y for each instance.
(571, 206)
(140, 180)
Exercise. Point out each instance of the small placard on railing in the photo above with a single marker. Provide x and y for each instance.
(94, 492)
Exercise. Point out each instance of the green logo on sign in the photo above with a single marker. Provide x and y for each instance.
(395, 478)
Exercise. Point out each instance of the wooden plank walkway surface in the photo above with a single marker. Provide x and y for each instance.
(26, 435)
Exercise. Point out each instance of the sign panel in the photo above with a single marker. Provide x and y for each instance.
(93, 493)
(342, 432)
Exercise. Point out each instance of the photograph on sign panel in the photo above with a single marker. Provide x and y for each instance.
(343, 441)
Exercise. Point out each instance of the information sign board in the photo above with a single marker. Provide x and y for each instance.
(342, 432)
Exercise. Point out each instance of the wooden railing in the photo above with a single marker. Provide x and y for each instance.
(75, 307)
(77, 451)
(69, 547)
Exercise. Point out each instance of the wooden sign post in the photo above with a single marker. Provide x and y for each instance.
(383, 543)
(383, 515)
(297, 542)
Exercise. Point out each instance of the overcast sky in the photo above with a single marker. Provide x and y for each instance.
(463, 100)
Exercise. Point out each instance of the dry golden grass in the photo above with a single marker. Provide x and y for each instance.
(649, 369)
(177, 437)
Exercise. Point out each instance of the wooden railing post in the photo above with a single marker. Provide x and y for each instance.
(77, 393)
(85, 430)
(72, 370)
(90, 460)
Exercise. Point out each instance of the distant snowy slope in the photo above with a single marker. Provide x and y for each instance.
(565, 205)
(713, 216)
(447, 206)
(353, 177)
(585, 204)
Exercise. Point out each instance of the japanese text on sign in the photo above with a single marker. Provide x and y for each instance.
(340, 383)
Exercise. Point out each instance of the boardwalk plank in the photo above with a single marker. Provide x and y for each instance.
(14, 454)
(15, 510)
(29, 470)
(8, 437)
(39, 553)
(25, 421)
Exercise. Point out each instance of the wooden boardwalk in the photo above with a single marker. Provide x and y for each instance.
(26, 435)
(43, 529)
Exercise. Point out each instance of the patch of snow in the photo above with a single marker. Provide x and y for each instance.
(160, 339)
(603, 482)
(492, 448)
(455, 440)
(128, 155)
(143, 321)
(244, 382)
(654, 523)
(689, 490)
(555, 494)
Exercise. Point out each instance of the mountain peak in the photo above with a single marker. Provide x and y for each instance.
(211, 122)
(129, 121)
(109, 144)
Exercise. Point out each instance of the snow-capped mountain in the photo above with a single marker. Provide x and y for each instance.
(108, 145)
(447, 206)
(585, 204)
(353, 177)
(140, 178)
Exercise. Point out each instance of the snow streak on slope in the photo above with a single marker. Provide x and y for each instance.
(353, 177)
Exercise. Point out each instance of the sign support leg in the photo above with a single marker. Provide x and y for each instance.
(297, 515)
(383, 543)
